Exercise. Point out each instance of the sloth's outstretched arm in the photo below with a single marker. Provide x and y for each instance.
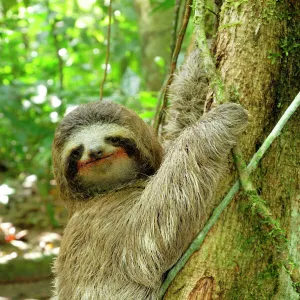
(187, 95)
(177, 201)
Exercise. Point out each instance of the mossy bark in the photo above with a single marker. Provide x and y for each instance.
(257, 54)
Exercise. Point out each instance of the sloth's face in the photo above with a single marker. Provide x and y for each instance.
(101, 156)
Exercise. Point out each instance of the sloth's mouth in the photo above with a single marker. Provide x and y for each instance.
(89, 162)
(120, 153)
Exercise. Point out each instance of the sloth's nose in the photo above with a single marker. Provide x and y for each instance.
(95, 152)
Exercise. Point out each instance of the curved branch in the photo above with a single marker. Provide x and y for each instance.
(175, 25)
(161, 108)
(215, 80)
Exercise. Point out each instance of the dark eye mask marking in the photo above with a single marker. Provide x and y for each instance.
(72, 160)
(127, 144)
(132, 151)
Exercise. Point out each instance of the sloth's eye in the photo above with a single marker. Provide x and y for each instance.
(114, 139)
(76, 153)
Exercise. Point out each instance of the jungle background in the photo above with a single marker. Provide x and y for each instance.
(52, 58)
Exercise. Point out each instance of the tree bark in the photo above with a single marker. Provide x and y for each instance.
(257, 54)
(155, 32)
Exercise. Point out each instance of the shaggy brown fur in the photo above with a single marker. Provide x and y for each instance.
(120, 243)
(188, 95)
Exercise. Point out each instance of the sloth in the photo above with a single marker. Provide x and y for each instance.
(134, 209)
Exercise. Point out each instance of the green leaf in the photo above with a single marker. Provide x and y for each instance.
(7, 5)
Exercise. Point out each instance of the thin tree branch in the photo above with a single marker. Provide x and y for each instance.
(107, 49)
(210, 10)
(215, 80)
(226, 201)
(175, 25)
(161, 108)
(174, 38)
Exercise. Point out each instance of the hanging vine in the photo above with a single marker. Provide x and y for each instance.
(158, 119)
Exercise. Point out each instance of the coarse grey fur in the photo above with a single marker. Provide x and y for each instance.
(119, 244)
(188, 95)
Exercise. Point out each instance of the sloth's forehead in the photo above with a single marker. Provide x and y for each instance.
(95, 133)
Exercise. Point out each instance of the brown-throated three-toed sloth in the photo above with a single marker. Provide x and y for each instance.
(133, 210)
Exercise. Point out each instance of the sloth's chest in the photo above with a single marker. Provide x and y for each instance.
(94, 236)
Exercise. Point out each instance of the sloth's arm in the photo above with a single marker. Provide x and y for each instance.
(177, 201)
(187, 95)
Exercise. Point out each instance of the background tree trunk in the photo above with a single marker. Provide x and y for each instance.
(155, 32)
(257, 53)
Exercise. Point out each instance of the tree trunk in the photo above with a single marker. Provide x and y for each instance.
(257, 53)
(155, 32)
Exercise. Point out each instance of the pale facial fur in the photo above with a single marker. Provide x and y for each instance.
(114, 165)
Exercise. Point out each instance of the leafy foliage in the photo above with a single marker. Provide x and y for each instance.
(52, 59)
